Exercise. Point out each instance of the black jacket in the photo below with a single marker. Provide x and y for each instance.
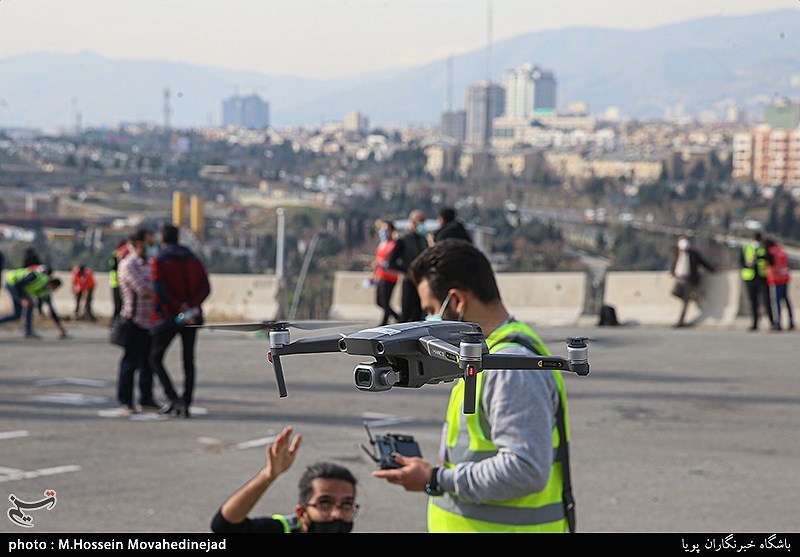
(453, 229)
(695, 261)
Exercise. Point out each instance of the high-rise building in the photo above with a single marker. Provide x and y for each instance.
(782, 115)
(528, 89)
(178, 208)
(767, 156)
(245, 112)
(356, 122)
(484, 101)
(454, 124)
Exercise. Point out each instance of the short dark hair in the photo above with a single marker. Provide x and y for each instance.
(326, 471)
(757, 236)
(141, 235)
(169, 234)
(448, 214)
(455, 263)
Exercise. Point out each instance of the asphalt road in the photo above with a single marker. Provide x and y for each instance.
(672, 431)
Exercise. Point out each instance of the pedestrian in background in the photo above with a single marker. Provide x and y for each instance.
(754, 259)
(383, 277)
(180, 285)
(117, 255)
(408, 247)
(136, 290)
(450, 227)
(27, 286)
(685, 268)
(779, 273)
(83, 288)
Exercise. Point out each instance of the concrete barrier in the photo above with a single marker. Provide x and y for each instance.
(352, 301)
(549, 299)
(233, 297)
(645, 297)
(541, 298)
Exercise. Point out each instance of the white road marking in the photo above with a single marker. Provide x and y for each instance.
(262, 442)
(25, 475)
(14, 434)
(71, 381)
(70, 399)
(376, 419)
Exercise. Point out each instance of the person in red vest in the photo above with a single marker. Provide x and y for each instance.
(779, 273)
(83, 288)
(383, 277)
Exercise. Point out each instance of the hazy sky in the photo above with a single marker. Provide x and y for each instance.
(319, 38)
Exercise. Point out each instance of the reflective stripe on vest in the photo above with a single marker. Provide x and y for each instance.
(467, 441)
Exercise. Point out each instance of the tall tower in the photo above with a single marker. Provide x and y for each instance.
(485, 101)
(167, 108)
(197, 217)
(178, 208)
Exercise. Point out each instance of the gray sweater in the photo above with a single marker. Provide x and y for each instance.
(520, 406)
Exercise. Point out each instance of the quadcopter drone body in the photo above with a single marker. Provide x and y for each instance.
(411, 354)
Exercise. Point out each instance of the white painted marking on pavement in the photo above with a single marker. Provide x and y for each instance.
(70, 399)
(376, 419)
(25, 475)
(71, 381)
(14, 434)
(253, 443)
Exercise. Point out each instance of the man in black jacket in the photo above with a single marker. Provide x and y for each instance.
(406, 249)
(449, 227)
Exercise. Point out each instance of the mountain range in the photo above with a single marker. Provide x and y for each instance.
(691, 67)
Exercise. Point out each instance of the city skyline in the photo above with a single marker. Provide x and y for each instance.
(338, 38)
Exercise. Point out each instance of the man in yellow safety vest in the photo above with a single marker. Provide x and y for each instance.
(26, 286)
(504, 468)
(754, 260)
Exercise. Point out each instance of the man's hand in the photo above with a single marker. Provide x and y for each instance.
(413, 475)
(26, 303)
(280, 455)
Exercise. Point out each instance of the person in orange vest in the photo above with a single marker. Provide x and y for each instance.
(382, 276)
(779, 273)
(83, 288)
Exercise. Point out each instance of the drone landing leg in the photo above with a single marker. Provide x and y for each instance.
(276, 361)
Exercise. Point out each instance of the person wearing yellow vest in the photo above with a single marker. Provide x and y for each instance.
(26, 286)
(504, 468)
(754, 261)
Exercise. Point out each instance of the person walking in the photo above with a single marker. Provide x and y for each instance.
(383, 277)
(779, 273)
(408, 247)
(180, 285)
(685, 268)
(753, 259)
(136, 291)
(505, 468)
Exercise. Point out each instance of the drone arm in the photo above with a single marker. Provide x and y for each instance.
(316, 345)
(519, 361)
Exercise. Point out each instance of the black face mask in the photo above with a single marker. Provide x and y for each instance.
(337, 526)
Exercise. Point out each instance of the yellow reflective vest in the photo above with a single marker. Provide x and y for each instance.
(35, 288)
(467, 440)
(754, 253)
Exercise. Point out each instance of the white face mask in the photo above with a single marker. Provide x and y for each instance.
(151, 251)
(440, 316)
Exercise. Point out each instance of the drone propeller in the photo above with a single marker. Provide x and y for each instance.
(273, 325)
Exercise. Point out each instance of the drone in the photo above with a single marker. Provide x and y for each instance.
(409, 354)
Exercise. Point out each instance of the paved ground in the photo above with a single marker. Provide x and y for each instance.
(673, 431)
